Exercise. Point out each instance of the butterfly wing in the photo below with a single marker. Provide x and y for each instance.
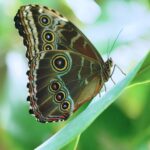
(60, 81)
(65, 68)
(45, 29)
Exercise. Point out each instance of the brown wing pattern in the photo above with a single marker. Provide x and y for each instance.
(33, 20)
(65, 70)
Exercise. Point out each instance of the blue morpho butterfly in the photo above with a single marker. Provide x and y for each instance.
(65, 69)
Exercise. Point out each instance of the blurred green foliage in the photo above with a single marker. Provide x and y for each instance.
(125, 124)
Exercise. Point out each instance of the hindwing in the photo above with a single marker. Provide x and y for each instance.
(60, 81)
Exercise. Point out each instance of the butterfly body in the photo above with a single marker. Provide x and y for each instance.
(65, 70)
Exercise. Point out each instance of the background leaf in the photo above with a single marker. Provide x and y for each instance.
(143, 75)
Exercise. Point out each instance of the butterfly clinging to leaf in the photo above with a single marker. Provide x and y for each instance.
(65, 69)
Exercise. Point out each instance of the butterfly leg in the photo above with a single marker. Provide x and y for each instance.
(119, 69)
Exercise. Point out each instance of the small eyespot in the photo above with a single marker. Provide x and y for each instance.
(44, 20)
(59, 63)
(60, 96)
(65, 105)
(47, 47)
(54, 86)
(48, 36)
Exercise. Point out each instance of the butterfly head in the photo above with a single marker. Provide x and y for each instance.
(109, 62)
(107, 69)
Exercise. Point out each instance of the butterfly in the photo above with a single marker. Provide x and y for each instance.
(65, 69)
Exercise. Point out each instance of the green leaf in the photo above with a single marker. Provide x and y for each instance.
(76, 126)
(72, 145)
(143, 75)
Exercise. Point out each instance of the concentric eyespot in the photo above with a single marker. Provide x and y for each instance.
(54, 86)
(59, 63)
(60, 96)
(65, 106)
(48, 36)
(47, 47)
(44, 20)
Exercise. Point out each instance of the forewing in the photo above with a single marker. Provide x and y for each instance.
(33, 22)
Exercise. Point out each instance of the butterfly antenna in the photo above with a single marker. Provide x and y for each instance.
(115, 42)
(107, 50)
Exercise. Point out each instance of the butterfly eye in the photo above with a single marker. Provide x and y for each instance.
(44, 20)
(47, 47)
(60, 96)
(65, 106)
(59, 63)
(48, 36)
(54, 86)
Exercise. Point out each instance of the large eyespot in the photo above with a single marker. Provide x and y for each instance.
(47, 47)
(48, 36)
(60, 96)
(54, 86)
(44, 20)
(59, 63)
(65, 106)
